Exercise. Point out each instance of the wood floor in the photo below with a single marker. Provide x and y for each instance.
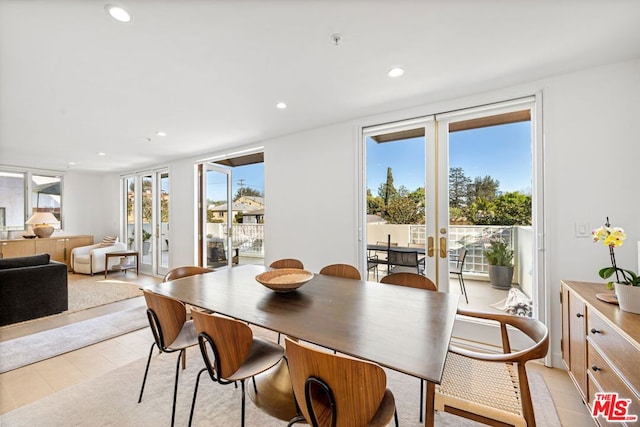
(31, 383)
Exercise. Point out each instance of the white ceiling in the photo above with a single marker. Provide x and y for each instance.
(74, 82)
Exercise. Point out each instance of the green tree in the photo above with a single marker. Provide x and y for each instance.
(458, 186)
(418, 196)
(512, 208)
(403, 210)
(386, 190)
(482, 188)
(375, 204)
(480, 212)
(247, 191)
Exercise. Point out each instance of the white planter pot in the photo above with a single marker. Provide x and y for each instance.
(628, 298)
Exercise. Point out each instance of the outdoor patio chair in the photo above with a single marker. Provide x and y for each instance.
(460, 258)
(403, 258)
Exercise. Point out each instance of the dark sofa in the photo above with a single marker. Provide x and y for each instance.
(31, 287)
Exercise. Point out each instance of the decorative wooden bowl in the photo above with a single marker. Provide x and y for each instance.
(284, 279)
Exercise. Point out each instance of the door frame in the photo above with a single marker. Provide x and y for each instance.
(205, 167)
(155, 267)
(439, 152)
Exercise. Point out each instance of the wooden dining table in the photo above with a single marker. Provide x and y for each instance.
(403, 329)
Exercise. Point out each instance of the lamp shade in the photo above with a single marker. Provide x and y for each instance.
(40, 222)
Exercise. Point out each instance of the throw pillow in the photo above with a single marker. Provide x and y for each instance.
(108, 241)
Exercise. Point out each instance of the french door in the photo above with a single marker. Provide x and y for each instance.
(216, 222)
(146, 224)
(488, 152)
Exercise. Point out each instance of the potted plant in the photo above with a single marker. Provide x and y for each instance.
(146, 243)
(627, 283)
(500, 259)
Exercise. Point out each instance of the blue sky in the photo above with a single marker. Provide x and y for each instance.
(503, 152)
(252, 176)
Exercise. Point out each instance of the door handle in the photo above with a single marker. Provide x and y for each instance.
(430, 247)
(443, 247)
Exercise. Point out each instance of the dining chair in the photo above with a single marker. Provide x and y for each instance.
(488, 387)
(185, 271)
(338, 391)
(171, 332)
(237, 355)
(341, 270)
(406, 259)
(287, 263)
(460, 258)
(411, 280)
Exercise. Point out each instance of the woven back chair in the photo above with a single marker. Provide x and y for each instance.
(488, 387)
(338, 391)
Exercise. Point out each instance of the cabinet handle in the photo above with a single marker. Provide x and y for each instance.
(595, 368)
(579, 315)
(595, 331)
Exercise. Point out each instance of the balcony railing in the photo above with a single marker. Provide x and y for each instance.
(475, 238)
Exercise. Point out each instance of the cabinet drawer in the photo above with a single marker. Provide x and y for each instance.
(620, 352)
(604, 379)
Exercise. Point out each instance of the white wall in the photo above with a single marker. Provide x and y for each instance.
(310, 197)
(311, 178)
(91, 205)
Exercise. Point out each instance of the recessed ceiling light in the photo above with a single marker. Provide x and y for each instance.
(396, 72)
(118, 13)
(281, 105)
(102, 154)
(160, 133)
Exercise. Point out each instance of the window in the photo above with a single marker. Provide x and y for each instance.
(23, 193)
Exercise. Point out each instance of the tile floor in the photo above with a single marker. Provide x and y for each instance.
(31, 383)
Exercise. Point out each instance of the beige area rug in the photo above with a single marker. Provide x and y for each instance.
(92, 291)
(33, 348)
(112, 400)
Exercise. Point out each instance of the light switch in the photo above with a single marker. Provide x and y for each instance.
(582, 229)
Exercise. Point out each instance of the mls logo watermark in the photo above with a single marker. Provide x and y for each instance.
(613, 409)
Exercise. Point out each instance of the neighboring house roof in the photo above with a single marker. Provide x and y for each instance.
(254, 198)
(255, 212)
(234, 207)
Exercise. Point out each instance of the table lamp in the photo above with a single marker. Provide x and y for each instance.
(40, 222)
